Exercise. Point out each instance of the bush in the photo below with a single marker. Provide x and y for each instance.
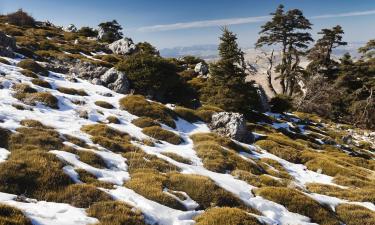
(12, 216)
(20, 18)
(115, 213)
(297, 202)
(161, 134)
(187, 114)
(104, 104)
(139, 106)
(41, 83)
(281, 103)
(148, 74)
(226, 215)
(144, 122)
(78, 195)
(87, 32)
(33, 66)
(72, 91)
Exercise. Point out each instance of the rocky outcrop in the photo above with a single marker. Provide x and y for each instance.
(232, 125)
(7, 45)
(71, 28)
(124, 46)
(87, 70)
(201, 68)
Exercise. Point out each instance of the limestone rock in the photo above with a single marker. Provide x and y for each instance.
(232, 125)
(116, 81)
(124, 46)
(201, 68)
(7, 45)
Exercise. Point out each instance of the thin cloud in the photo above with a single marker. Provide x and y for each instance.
(236, 21)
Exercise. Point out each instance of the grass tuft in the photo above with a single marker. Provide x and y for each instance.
(163, 135)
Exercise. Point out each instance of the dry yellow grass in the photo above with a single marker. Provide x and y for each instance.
(163, 135)
(355, 214)
(12, 216)
(227, 216)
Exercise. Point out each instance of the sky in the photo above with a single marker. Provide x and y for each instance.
(172, 23)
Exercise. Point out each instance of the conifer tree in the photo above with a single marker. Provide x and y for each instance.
(320, 54)
(368, 50)
(287, 29)
(227, 87)
(110, 31)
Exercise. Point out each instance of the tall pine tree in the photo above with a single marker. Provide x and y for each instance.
(287, 29)
(227, 87)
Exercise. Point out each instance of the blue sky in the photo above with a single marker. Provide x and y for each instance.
(170, 23)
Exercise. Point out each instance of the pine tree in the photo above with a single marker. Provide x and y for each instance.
(227, 87)
(320, 54)
(368, 50)
(110, 31)
(287, 29)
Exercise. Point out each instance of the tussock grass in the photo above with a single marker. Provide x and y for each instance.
(12, 216)
(41, 83)
(355, 214)
(4, 137)
(30, 96)
(287, 153)
(143, 122)
(23, 89)
(4, 61)
(88, 178)
(138, 160)
(201, 189)
(205, 112)
(77, 141)
(110, 138)
(366, 194)
(297, 202)
(113, 119)
(78, 195)
(150, 185)
(72, 91)
(33, 66)
(218, 159)
(177, 158)
(115, 213)
(163, 135)
(139, 106)
(227, 216)
(88, 157)
(104, 104)
(187, 114)
(263, 180)
(33, 123)
(222, 140)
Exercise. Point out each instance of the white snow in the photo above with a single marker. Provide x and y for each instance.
(3, 154)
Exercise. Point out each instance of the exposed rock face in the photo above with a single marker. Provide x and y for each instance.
(7, 45)
(71, 28)
(124, 46)
(201, 68)
(232, 125)
(87, 70)
(115, 80)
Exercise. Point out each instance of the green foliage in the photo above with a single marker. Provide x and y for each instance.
(139, 106)
(20, 18)
(163, 135)
(147, 49)
(87, 32)
(12, 216)
(33, 66)
(281, 103)
(368, 49)
(112, 31)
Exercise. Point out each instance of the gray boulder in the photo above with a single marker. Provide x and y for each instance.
(87, 70)
(201, 68)
(232, 125)
(124, 46)
(71, 28)
(7, 45)
(116, 81)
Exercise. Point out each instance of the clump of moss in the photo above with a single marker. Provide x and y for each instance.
(41, 83)
(226, 215)
(113, 119)
(72, 91)
(297, 202)
(187, 114)
(33, 66)
(115, 213)
(78, 195)
(143, 122)
(12, 216)
(352, 214)
(104, 104)
(139, 106)
(161, 134)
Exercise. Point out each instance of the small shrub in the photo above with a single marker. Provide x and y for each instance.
(20, 18)
(104, 104)
(187, 114)
(41, 83)
(29, 73)
(144, 122)
(78, 195)
(352, 214)
(33, 66)
(297, 202)
(281, 103)
(115, 213)
(139, 106)
(226, 215)
(12, 216)
(113, 119)
(161, 134)
(72, 91)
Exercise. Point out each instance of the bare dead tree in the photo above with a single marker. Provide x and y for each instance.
(270, 60)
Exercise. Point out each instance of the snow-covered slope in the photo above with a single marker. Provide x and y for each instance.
(68, 120)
